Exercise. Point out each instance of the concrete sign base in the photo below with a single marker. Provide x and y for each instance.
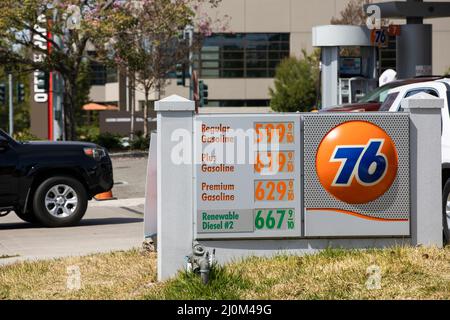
(356, 181)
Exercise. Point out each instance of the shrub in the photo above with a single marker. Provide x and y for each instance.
(109, 141)
(296, 84)
(88, 133)
(140, 142)
(25, 135)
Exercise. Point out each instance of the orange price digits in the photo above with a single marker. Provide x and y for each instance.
(274, 162)
(274, 190)
(277, 132)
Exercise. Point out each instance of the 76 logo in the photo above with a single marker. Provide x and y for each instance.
(365, 163)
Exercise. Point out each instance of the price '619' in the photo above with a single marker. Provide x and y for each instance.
(274, 162)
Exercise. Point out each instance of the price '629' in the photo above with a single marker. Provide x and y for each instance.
(274, 190)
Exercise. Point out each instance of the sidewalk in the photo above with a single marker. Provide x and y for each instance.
(113, 226)
(118, 203)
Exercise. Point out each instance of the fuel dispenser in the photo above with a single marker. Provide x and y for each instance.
(348, 63)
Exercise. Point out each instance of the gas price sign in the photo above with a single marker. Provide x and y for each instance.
(247, 176)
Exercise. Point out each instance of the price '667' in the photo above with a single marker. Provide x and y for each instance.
(274, 190)
(275, 219)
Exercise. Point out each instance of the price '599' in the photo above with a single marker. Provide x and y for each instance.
(274, 190)
(277, 132)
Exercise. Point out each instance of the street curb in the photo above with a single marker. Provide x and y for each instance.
(131, 154)
(117, 203)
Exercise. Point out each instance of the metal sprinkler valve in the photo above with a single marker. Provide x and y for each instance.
(200, 261)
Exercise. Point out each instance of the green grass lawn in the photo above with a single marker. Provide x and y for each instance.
(406, 273)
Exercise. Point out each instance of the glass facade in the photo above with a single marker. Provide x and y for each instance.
(97, 74)
(112, 75)
(388, 55)
(242, 55)
(101, 75)
(238, 103)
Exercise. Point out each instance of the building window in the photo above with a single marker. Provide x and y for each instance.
(112, 75)
(101, 74)
(388, 55)
(98, 74)
(242, 55)
(238, 103)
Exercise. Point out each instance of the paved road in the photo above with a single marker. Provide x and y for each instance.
(130, 177)
(107, 226)
(103, 229)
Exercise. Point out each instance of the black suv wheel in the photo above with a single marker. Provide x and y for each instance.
(60, 202)
(27, 217)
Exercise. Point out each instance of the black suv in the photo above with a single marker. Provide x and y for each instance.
(51, 182)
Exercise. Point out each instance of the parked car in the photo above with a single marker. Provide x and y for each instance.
(391, 101)
(441, 89)
(373, 100)
(51, 182)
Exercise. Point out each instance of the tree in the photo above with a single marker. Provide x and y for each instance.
(145, 39)
(21, 109)
(296, 84)
(353, 13)
(65, 25)
(83, 85)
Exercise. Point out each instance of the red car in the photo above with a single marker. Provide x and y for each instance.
(372, 101)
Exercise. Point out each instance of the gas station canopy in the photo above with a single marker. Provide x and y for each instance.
(340, 35)
(405, 9)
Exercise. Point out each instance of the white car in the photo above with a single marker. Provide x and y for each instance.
(439, 88)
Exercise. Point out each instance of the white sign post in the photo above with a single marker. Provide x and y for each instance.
(151, 208)
(175, 185)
